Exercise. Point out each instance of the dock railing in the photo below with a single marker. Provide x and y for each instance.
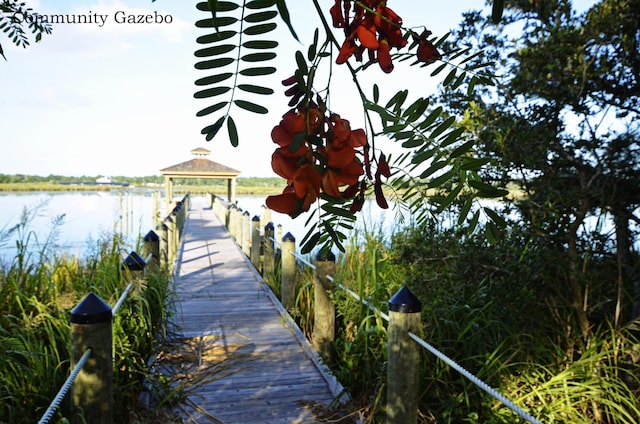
(256, 238)
(90, 380)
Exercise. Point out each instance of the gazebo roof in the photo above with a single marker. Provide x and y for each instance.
(200, 167)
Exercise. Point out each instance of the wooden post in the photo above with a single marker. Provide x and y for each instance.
(288, 282)
(171, 236)
(245, 241)
(255, 242)
(163, 233)
(324, 315)
(403, 361)
(151, 246)
(92, 390)
(268, 266)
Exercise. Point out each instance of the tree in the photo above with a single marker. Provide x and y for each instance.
(563, 122)
(16, 18)
(328, 166)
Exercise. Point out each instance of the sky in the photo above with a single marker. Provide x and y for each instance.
(109, 98)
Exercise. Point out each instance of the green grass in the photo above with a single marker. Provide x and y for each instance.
(37, 292)
(483, 307)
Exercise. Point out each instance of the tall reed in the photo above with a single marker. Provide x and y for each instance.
(38, 288)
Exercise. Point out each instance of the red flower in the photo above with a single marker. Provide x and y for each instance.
(306, 185)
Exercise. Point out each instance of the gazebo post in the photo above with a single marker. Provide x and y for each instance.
(168, 189)
(231, 190)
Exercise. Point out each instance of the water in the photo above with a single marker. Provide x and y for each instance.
(90, 216)
(73, 222)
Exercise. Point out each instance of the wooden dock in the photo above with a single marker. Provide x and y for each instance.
(263, 370)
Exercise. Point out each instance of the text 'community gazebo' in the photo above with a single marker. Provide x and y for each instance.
(200, 167)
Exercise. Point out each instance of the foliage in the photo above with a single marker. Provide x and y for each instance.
(563, 123)
(37, 291)
(491, 308)
(16, 18)
(323, 159)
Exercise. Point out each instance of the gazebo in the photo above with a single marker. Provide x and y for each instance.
(200, 167)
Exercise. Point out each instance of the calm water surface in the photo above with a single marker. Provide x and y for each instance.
(76, 221)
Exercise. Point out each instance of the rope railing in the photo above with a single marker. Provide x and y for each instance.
(55, 403)
(92, 310)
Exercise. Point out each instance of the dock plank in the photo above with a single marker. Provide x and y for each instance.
(224, 307)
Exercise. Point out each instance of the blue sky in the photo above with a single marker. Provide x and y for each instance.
(117, 99)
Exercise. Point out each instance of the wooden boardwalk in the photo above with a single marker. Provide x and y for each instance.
(263, 370)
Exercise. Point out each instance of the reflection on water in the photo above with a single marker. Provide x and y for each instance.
(72, 222)
(79, 220)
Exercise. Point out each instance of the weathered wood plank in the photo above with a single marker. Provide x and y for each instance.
(225, 310)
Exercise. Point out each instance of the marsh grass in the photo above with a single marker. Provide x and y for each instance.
(38, 288)
(482, 307)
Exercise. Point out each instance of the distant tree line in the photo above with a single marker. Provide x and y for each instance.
(150, 179)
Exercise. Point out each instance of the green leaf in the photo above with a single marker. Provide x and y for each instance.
(233, 131)
(260, 44)
(261, 16)
(255, 72)
(462, 149)
(258, 57)
(214, 51)
(431, 118)
(495, 217)
(450, 76)
(216, 37)
(452, 137)
(398, 99)
(212, 130)
(451, 196)
(218, 6)
(310, 244)
(376, 93)
(214, 79)
(445, 125)
(473, 223)
(211, 92)
(251, 107)
(259, 29)
(464, 211)
(284, 14)
(487, 190)
(473, 164)
(217, 22)
(302, 64)
(260, 4)
(211, 109)
(438, 69)
(434, 168)
(496, 11)
(255, 89)
(214, 63)
(313, 47)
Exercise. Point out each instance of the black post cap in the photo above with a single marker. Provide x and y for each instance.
(405, 301)
(325, 256)
(288, 237)
(134, 262)
(151, 236)
(91, 310)
(269, 227)
(255, 218)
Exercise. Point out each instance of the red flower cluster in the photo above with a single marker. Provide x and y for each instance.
(316, 153)
(374, 27)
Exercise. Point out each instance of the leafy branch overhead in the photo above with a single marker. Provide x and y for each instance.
(16, 19)
(325, 161)
(239, 54)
